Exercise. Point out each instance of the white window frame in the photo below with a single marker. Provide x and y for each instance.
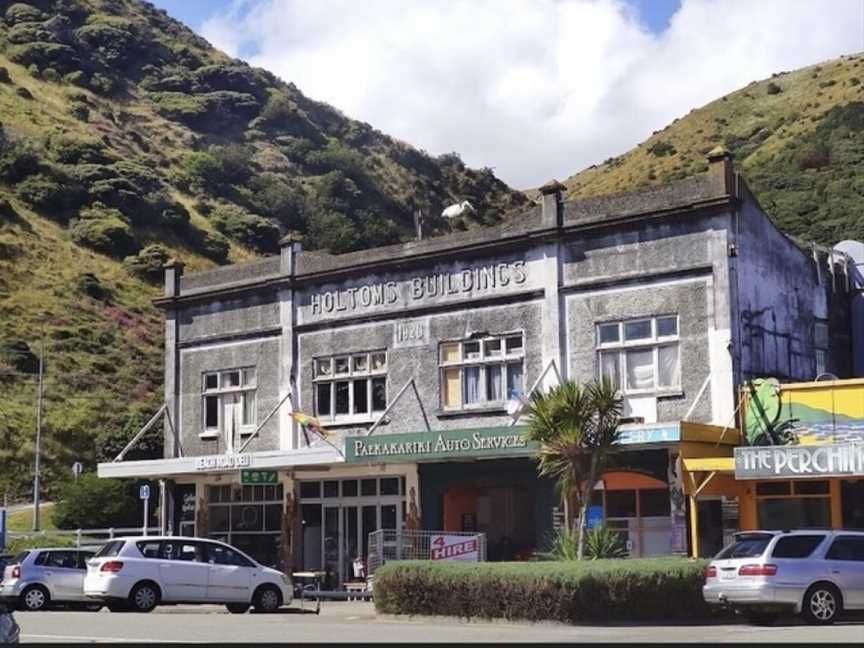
(483, 361)
(653, 343)
(246, 386)
(351, 376)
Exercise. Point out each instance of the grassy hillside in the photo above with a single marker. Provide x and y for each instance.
(126, 139)
(798, 139)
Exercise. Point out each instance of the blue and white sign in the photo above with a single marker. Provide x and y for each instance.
(655, 433)
(595, 516)
(144, 492)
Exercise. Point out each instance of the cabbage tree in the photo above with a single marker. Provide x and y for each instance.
(576, 426)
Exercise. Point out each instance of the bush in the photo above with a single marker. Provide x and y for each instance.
(21, 12)
(104, 230)
(50, 193)
(4, 75)
(89, 284)
(214, 246)
(93, 503)
(78, 78)
(19, 160)
(773, 88)
(568, 592)
(250, 229)
(148, 263)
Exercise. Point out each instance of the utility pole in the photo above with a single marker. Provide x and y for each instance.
(36, 483)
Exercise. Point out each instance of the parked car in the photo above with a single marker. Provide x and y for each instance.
(9, 631)
(816, 573)
(139, 573)
(37, 578)
(5, 559)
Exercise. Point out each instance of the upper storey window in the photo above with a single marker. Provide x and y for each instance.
(640, 355)
(350, 386)
(229, 405)
(483, 371)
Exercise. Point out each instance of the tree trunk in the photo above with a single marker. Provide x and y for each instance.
(587, 491)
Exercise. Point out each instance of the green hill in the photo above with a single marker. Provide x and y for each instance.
(127, 139)
(798, 139)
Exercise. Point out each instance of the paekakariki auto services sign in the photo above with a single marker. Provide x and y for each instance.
(454, 547)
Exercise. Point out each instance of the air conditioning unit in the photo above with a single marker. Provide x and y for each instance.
(644, 407)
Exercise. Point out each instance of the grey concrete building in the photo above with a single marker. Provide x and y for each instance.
(678, 293)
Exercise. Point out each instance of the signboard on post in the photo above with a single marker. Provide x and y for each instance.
(77, 469)
(253, 477)
(144, 494)
(454, 547)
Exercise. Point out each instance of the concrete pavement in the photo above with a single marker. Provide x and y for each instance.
(357, 622)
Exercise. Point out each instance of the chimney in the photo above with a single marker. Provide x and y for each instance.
(720, 165)
(173, 271)
(553, 203)
(289, 248)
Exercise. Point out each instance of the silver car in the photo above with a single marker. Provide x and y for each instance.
(816, 573)
(37, 578)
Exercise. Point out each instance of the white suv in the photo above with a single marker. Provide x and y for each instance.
(140, 573)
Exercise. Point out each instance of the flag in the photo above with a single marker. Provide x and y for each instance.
(308, 424)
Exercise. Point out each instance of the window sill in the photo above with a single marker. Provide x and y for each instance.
(470, 411)
(208, 436)
(350, 422)
(667, 393)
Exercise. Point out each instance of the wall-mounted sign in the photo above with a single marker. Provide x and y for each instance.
(785, 462)
(465, 282)
(419, 446)
(660, 433)
(410, 333)
(223, 462)
(253, 477)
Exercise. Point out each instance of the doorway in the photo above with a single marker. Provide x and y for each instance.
(852, 494)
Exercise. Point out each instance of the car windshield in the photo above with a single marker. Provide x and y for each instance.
(750, 545)
(110, 549)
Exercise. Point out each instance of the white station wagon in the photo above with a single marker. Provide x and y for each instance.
(139, 573)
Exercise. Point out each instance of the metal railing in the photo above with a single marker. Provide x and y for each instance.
(408, 544)
(85, 537)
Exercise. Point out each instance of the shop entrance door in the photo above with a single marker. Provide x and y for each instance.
(852, 494)
(346, 533)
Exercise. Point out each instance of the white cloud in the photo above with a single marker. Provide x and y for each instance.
(533, 88)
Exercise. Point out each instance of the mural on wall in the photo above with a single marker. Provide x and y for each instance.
(810, 414)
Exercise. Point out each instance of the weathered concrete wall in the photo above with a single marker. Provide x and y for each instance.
(778, 301)
(421, 362)
(195, 361)
(218, 319)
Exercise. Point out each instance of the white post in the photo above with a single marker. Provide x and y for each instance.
(146, 502)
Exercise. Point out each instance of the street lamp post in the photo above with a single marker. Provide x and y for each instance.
(36, 484)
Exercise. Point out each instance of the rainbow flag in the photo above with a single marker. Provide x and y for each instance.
(309, 424)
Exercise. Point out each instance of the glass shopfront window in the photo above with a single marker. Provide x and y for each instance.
(338, 516)
(247, 517)
(793, 505)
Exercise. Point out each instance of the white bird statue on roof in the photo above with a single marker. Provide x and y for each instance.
(457, 209)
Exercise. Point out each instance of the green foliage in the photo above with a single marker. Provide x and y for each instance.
(250, 229)
(105, 230)
(148, 263)
(78, 78)
(568, 592)
(576, 427)
(601, 542)
(662, 148)
(39, 542)
(58, 56)
(51, 193)
(93, 503)
(4, 75)
(18, 160)
(275, 198)
(89, 284)
(20, 12)
(773, 88)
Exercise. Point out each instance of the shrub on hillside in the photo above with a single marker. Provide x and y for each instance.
(249, 229)
(51, 193)
(773, 88)
(93, 503)
(18, 160)
(104, 230)
(20, 12)
(148, 263)
(55, 55)
(213, 245)
(568, 592)
(4, 75)
(89, 284)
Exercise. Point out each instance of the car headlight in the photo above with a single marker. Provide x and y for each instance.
(285, 579)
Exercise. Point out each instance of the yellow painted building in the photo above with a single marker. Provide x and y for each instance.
(800, 462)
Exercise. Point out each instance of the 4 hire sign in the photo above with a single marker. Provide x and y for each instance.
(453, 547)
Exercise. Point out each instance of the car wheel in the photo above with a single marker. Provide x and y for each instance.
(34, 598)
(144, 597)
(822, 604)
(756, 617)
(237, 608)
(267, 599)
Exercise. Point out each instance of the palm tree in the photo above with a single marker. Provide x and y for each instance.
(576, 427)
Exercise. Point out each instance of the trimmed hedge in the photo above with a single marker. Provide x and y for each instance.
(569, 592)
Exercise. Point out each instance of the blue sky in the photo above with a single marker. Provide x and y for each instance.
(535, 89)
(654, 14)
